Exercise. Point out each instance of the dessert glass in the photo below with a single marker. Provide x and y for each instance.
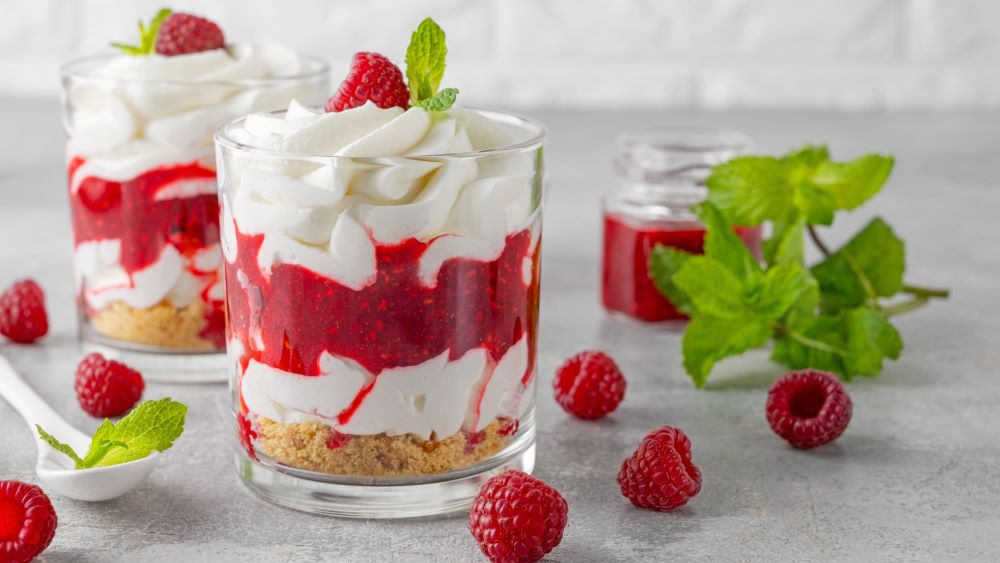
(376, 373)
(144, 202)
(661, 176)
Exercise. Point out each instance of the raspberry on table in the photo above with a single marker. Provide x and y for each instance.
(374, 78)
(22, 312)
(106, 388)
(660, 474)
(589, 385)
(517, 518)
(808, 408)
(182, 34)
(27, 521)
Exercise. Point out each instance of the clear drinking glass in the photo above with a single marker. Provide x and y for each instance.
(145, 215)
(374, 374)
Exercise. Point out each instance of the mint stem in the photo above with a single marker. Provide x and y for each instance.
(816, 240)
(905, 306)
(806, 341)
(925, 292)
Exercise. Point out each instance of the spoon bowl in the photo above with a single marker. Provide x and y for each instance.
(54, 469)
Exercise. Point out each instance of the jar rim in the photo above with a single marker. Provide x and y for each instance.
(684, 139)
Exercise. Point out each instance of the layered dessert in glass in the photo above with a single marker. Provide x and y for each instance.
(142, 181)
(382, 274)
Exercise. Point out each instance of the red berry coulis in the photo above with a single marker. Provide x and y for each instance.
(129, 211)
(395, 321)
(627, 287)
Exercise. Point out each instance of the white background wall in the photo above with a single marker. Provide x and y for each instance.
(844, 54)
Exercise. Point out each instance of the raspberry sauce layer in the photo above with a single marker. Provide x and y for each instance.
(289, 318)
(131, 212)
(626, 285)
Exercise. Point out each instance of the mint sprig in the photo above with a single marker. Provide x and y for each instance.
(151, 426)
(147, 36)
(425, 64)
(832, 316)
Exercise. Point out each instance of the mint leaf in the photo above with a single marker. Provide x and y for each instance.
(870, 339)
(664, 263)
(869, 266)
(807, 158)
(779, 288)
(751, 189)
(850, 343)
(425, 61)
(855, 182)
(815, 342)
(709, 339)
(712, 288)
(58, 446)
(147, 36)
(442, 101)
(152, 426)
(99, 451)
(722, 243)
(787, 243)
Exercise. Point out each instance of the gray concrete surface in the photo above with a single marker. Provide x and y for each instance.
(915, 478)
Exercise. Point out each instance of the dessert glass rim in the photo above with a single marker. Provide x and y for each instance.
(313, 67)
(535, 140)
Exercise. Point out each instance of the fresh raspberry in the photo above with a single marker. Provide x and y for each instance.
(660, 474)
(808, 408)
(372, 77)
(27, 521)
(517, 518)
(22, 312)
(181, 34)
(589, 385)
(106, 388)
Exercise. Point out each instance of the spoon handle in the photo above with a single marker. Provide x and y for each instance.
(33, 408)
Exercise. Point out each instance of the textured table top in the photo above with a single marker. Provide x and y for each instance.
(916, 476)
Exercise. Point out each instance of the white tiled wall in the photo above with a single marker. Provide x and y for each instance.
(845, 54)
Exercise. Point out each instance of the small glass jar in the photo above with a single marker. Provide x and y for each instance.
(144, 203)
(383, 315)
(661, 176)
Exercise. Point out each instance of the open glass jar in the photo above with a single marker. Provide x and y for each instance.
(144, 200)
(383, 308)
(661, 176)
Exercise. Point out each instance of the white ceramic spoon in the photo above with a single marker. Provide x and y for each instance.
(54, 468)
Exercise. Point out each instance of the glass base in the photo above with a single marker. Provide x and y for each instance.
(399, 497)
(162, 366)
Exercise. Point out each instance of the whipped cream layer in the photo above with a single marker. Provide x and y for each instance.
(135, 114)
(397, 175)
(436, 396)
(389, 183)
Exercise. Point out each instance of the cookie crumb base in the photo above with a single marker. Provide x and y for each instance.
(162, 325)
(305, 445)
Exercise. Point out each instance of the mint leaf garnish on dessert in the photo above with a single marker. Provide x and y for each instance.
(147, 35)
(152, 426)
(374, 78)
(174, 33)
(832, 316)
(442, 101)
(425, 61)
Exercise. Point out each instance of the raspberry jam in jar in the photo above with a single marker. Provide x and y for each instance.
(661, 176)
